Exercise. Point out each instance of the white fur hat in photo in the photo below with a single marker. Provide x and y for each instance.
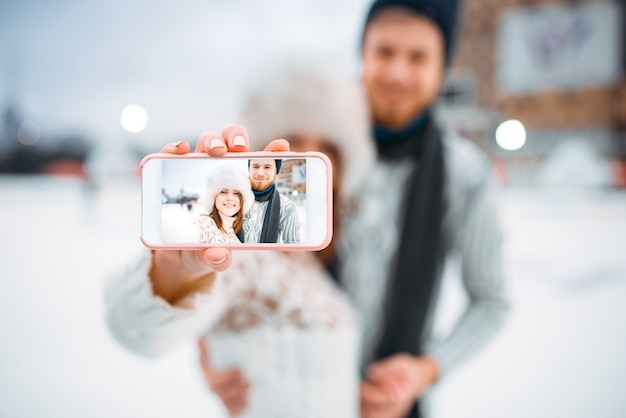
(310, 94)
(227, 177)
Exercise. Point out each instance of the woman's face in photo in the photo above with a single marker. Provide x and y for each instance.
(228, 202)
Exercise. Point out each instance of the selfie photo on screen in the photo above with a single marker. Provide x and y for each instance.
(233, 202)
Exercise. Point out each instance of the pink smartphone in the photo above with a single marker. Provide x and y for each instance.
(253, 200)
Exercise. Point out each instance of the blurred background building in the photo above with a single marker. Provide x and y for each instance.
(291, 180)
(24, 149)
(558, 68)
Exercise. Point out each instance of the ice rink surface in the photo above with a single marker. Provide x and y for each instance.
(560, 353)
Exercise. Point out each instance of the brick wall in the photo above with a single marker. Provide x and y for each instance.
(589, 107)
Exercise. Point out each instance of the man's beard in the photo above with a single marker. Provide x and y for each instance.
(260, 185)
(396, 115)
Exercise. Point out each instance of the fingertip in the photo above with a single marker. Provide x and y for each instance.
(218, 258)
(180, 147)
(215, 255)
(218, 151)
(212, 144)
(278, 145)
(236, 137)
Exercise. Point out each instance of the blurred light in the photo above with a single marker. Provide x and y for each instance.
(134, 118)
(511, 135)
(29, 133)
(295, 193)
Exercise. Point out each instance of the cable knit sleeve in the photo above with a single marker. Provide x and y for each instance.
(148, 325)
(289, 223)
(475, 235)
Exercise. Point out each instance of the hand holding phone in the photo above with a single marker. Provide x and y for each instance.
(175, 274)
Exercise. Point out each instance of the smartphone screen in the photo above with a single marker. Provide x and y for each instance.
(255, 200)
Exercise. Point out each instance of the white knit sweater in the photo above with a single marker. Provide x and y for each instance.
(209, 232)
(277, 316)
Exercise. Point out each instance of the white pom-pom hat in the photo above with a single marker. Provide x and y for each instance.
(227, 177)
(310, 95)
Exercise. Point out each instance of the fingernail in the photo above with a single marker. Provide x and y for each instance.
(221, 260)
(239, 140)
(178, 144)
(216, 143)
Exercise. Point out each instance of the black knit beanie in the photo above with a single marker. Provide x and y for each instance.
(442, 12)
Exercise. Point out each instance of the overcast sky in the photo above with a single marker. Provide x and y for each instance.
(72, 66)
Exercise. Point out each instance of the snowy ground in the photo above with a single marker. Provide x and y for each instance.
(560, 354)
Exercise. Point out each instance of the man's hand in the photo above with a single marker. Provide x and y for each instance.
(229, 385)
(394, 384)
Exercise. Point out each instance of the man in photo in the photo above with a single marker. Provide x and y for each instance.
(273, 217)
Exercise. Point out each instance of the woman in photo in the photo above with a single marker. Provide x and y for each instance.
(227, 198)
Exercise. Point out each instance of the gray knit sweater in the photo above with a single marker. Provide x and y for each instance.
(371, 236)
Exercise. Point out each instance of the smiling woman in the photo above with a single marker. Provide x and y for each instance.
(227, 198)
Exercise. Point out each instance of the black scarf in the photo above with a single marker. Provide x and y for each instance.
(415, 272)
(271, 220)
(414, 277)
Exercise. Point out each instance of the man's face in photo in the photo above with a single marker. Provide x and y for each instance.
(262, 174)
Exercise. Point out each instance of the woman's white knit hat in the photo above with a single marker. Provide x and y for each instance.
(311, 95)
(227, 177)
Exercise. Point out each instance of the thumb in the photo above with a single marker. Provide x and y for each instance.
(219, 259)
(278, 145)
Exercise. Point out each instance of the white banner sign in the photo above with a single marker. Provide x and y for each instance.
(562, 47)
(298, 174)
